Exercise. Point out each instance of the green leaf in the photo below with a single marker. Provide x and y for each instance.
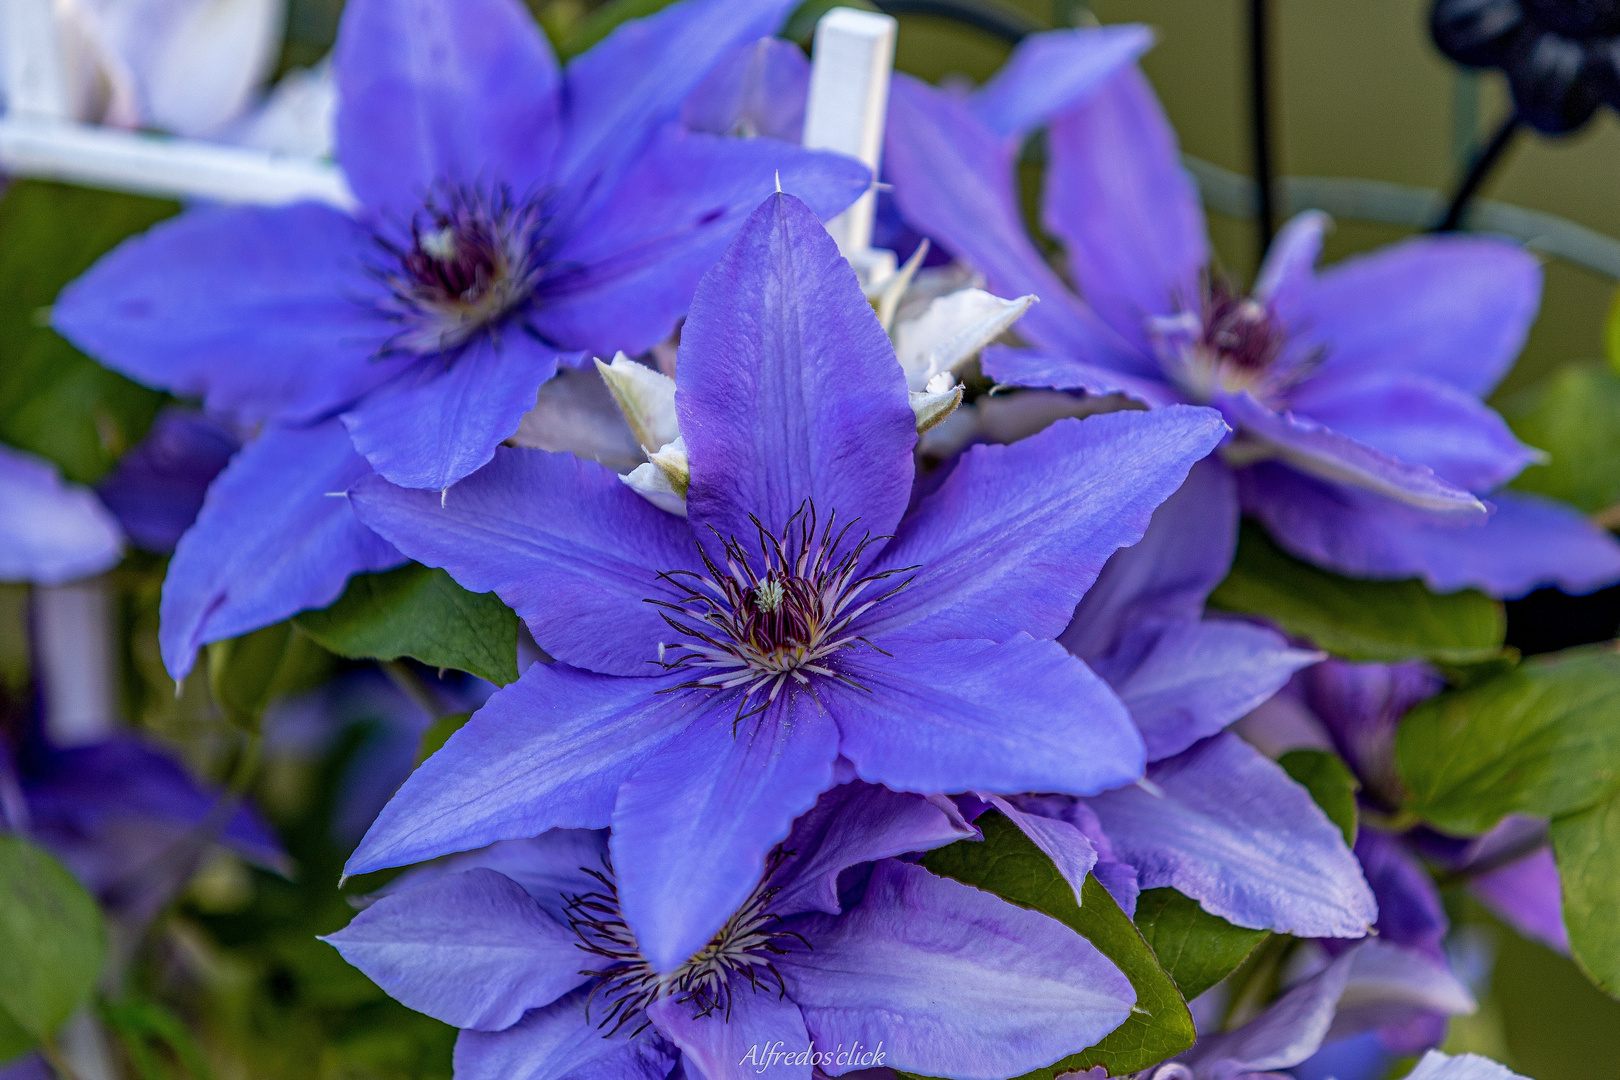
(247, 673)
(438, 733)
(1575, 417)
(1196, 948)
(1331, 783)
(150, 1034)
(52, 940)
(14, 1041)
(423, 614)
(1009, 864)
(55, 401)
(1611, 332)
(1380, 621)
(1587, 847)
(1542, 740)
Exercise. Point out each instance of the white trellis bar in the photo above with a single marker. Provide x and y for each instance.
(849, 100)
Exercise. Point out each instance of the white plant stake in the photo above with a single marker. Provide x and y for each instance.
(849, 100)
(38, 138)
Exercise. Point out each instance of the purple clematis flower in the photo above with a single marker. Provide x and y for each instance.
(718, 672)
(839, 950)
(157, 489)
(1340, 1000)
(1360, 437)
(51, 532)
(1216, 821)
(510, 216)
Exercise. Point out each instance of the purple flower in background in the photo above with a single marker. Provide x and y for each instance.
(51, 532)
(1360, 437)
(158, 487)
(525, 946)
(718, 672)
(128, 820)
(1343, 998)
(1216, 821)
(510, 216)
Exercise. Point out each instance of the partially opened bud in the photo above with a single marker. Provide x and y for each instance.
(647, 399)
(952, 331)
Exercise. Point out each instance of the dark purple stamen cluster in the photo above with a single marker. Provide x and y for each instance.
(754, 627)
(742, 950)
(472, 258)
(1240, 331)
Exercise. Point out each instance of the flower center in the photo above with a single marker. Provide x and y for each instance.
(742, 951)
(762, 624)
(467, 260)
(1232, 343)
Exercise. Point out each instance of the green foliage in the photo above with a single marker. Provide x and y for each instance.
(1331, 783)
(52, 943)
(247, 673)
(156, 1041)
(1575, 418)
(1542, 740)
(1196, 948)
(1611, 332)
(14, 1041)
(421, 613)
(438, 733)
(1587, 847)
(1009, 864)
(604, 20)
(1380, 621)
(54, 400)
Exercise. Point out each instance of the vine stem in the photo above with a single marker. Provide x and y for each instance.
(1486, 160)
(1260, 121)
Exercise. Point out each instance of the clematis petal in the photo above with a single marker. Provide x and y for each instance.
(1526, 894)
(1185, 680)
(1127, 212)
(51, 532)
(693, 824)
(1390, 985)
(640, 247)
(1034, 367)
(433, 94)
(856, 823)
(633, 82)
(472, 949)
(1528, 542)
(1186, 551)
(563, 541)
(551, 867)
(549, 751)
(1071, 851)
(1329, 455)
(951, 980)
(1054, 71)
(966, 715)
(1454, 308)
(1016, 534)
(1232, 831)
(1438, 1066)
(732, 1046)
(560, 1042)
(158, 486)
(789, 389)
(1423, 421)
(260, 312)
(953, 182)
(1285, 1034)
(1289, 266)
(951, 331)
(760, 88)
(1410, 911)
(443, 420)
(275, 537)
